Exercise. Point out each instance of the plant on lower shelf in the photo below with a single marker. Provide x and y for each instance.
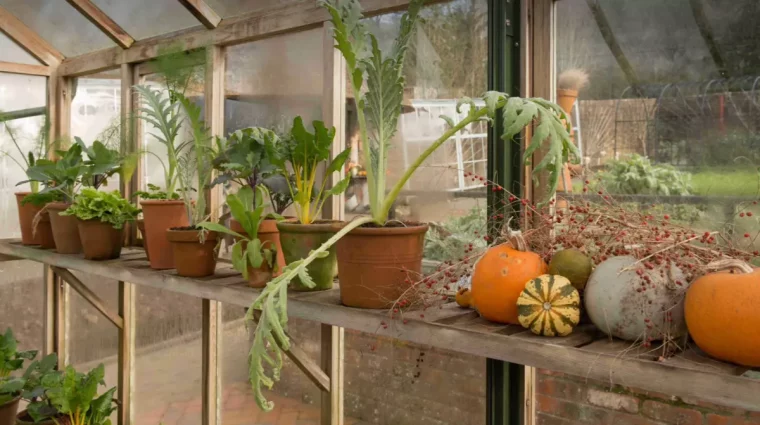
(378, 111)
(73, 395)
(11, 360)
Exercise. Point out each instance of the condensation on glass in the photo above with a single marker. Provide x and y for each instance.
(147, 18)
(12, 52)
(59, 24)
(232, 8)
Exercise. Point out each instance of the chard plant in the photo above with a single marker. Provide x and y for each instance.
(63, 175)
(304, 153)
(378, 111)
(11, 360)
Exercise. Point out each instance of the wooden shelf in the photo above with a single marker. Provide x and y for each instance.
(585, 353)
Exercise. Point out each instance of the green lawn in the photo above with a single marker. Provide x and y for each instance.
(726, 182)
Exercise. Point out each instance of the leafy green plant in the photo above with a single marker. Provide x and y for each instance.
(11, 360)
(63, 175)
(448, 241)
(107, 207)
(195, 162)
(378, 110)
(74, 394)
(155, 193)
(248, 250)
(278, 187)
(304, 153)
(29, 158)
(103, 163)
(636, 175)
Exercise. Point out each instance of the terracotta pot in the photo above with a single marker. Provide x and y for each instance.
(44, 231)
(8, 412)
(191, 257)
(26, 215)
(298, 240)
(100, 241)
(160, 216)
(566, 99)
(65, 229)
(141, 228)
(258, 277)
(23, 418)
(374, 263)
(267, 233)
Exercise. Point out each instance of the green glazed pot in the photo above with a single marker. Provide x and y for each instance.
(298, 240)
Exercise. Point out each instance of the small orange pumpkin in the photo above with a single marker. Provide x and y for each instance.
(721, 313)
(500, 276)
(464, 297)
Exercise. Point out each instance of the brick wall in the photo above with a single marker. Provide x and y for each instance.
(569, 400)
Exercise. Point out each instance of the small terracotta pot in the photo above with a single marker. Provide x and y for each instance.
(191, 257)
(267, 233)
(44, 231)
(8, 412)
(160, 216)
(374, 263)
(65, 229)
(258, 277)
(26, 215)
(141, 228)
(298, 240)
(23, 418)
(101, 241)
(566, 99)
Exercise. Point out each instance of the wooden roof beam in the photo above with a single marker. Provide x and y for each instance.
(23, 68)
(28, 39)
(203, 12)
(705, 29)
(110, 28)
(609, 37)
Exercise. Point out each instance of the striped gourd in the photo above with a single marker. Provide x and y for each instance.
(549, 306)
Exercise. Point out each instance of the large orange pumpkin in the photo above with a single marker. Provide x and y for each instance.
(721, 313)
(500, 276)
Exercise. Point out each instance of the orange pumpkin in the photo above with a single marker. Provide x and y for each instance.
(500, 276)
(464, 297)
(721, 313)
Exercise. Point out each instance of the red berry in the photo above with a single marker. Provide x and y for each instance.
(749, 213)
(667, 217)
(741, 214)
(746, 235)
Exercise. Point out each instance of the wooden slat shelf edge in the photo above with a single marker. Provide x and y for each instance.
(728, 390)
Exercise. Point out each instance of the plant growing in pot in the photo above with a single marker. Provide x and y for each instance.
(255, 258)
(304, 153)
(100, 219)
(378, 110)
(31, 387)
(242, 159)
(194, 248)
(10, 388)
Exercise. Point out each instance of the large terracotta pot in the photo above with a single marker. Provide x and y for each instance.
(191, 257)
(8, 412)
(100, 241)
(65, 229)
(375, 262)
(267, 233)
(141, 227)
(26, 215)
(298, 240)
(258, 277)
(160, 216)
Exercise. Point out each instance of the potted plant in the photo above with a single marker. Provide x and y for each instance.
(194, 248)
(379, 107)
(100, 218)
(70, 398)
(242, 159)
(10, 388)
(28, 386)
(304, 153)
(255, 258)
(164, 210)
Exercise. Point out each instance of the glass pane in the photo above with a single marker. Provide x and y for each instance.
(147, 18)
(230, 8)
(95, 115)
(21, 302)
(12, 52)
(296, 398)
(60, 25)
(270, 81)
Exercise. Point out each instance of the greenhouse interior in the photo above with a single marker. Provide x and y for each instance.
(379, 212)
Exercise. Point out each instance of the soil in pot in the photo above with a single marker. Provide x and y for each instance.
(101, 241)
(141, 228)
(267, 233)
(26, 215)
(44, 231)
(191, 257)
(8, 412)
(65, 229)
(23, 418)
(377, 265)
(160, 216)
(298, 240)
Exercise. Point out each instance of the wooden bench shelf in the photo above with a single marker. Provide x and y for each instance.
(585, 353)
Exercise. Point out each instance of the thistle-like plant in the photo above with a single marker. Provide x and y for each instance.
(29, 158)
(195, 163)
(304, 153)
(378, 111)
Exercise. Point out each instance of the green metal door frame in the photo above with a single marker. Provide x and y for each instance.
(505, 382)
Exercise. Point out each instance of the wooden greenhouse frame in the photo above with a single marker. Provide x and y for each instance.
(583, 353)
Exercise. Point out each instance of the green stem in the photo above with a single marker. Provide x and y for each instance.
(35, 186)
(381, 216)
(373, 195)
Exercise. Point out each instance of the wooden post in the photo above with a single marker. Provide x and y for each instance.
(212, 310)
(126, 375)
(333, 344)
